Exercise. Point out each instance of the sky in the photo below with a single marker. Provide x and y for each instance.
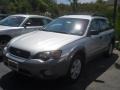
(82, 1)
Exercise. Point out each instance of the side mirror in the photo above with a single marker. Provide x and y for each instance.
(27, 24)
(94, 32)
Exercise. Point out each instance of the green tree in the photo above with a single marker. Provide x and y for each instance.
(100, 1)
(3, 6)
(29, 6)
(74, 4)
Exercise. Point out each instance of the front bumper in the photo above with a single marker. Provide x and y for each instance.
(37, 68)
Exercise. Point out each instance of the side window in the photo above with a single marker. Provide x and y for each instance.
(46, 21)
(104, 24)
(35, 22)
(95, 25)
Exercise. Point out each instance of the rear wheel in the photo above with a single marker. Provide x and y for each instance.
(109, 52)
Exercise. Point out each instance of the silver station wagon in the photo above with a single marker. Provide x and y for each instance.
(63, 47)
(15, 25)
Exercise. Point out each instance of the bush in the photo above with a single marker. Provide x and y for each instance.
(118, 31)
(117, 45)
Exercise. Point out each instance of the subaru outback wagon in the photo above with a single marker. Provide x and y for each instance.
(62, 48)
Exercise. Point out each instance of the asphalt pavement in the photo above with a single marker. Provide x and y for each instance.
(101, 74)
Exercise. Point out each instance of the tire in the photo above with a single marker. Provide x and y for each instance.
(109, 52)
(75, 69)
(3, 43)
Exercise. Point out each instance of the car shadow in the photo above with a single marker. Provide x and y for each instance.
(94, 69)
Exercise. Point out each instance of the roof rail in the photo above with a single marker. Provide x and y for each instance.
(88, 13)
(99, 14)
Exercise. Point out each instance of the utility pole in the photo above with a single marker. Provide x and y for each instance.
(115, 12)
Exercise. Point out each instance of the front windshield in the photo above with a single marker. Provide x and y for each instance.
(13, 21)
(68, 26)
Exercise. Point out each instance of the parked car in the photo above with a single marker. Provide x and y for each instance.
(2, 16)
(15, 25)
(62, 48)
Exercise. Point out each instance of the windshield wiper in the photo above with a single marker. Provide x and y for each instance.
(53, 31)
(60, 32)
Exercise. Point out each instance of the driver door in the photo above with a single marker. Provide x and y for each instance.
(93, 43)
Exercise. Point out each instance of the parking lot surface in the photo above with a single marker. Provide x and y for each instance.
(101, 74)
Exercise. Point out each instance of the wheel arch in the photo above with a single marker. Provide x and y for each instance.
(78, 51)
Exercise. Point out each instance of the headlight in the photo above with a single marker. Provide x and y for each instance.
(48, 55)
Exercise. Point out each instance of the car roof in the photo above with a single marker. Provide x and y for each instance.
(77, 16)
(27, 16)
(89, 17)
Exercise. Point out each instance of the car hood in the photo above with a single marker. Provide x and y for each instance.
(7, 27)
(42, 41)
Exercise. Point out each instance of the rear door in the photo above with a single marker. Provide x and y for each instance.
(106, 32)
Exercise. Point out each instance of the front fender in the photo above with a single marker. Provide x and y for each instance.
(74, 51)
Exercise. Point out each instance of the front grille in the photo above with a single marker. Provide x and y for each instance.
(19, 52)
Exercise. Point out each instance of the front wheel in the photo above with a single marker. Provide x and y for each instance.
(75, 69)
